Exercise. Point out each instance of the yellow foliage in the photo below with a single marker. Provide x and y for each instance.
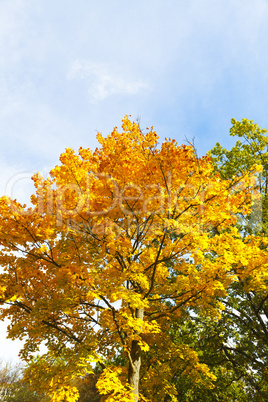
(110, 384)
(115, 242)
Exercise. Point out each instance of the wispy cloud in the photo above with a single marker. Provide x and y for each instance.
(105, 79)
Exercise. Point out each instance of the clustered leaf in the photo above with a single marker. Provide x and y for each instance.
(116, 245)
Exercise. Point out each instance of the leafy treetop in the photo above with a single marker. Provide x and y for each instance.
(116, 243)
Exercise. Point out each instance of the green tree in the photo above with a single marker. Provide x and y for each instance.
(246, 307)
(249, 150)
(13, 389)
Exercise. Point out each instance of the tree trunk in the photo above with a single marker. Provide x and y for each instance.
(135, 362)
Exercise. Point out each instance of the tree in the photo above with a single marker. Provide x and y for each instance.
(246, 307)
(116, 244)
(12, 388)
(205, 336)
(252, 149)
(87, 388)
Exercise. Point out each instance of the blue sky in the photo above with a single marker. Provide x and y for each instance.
(71, 68)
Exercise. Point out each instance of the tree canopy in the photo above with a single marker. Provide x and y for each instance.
(117, 245)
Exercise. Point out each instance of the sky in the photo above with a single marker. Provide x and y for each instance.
(70, 69)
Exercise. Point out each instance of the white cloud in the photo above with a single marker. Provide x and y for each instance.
(104, 80)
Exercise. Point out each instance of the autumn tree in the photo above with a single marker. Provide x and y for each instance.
(115, 244)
